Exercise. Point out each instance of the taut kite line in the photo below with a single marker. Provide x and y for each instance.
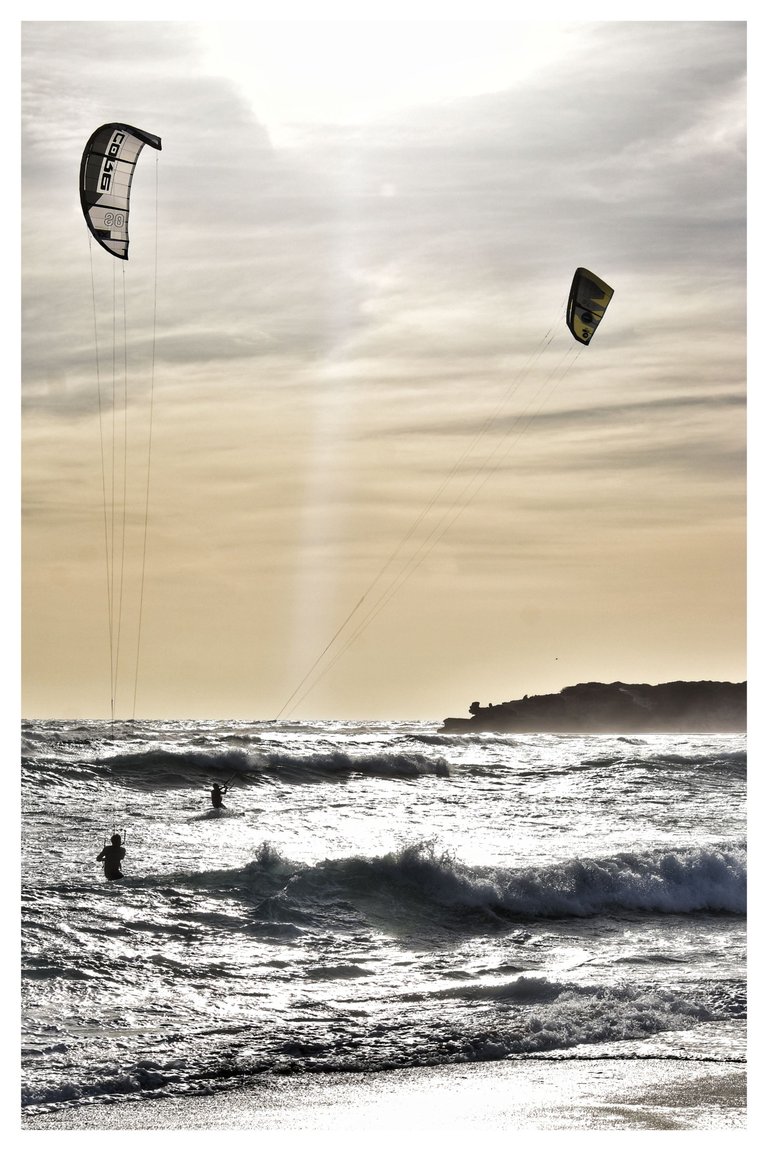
(107, 169)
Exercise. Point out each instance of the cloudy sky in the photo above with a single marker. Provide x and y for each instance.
(349, 265)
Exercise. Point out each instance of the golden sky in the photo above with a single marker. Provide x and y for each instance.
(366, 401)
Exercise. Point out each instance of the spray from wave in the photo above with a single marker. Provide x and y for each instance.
(420, 884)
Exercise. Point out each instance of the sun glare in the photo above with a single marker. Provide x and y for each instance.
(350, 72)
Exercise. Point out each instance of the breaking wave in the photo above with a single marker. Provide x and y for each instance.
(418, 880)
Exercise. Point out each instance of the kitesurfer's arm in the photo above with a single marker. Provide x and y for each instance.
(101, 854)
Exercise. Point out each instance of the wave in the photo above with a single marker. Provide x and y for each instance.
(163, 768)
(418, 887)
(159, 767)
(668, 882)
(145, 1077)
(681, 881)
(533, 1016)
(718, 760)
(465, 739)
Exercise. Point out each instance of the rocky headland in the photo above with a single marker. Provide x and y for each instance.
(699, 706)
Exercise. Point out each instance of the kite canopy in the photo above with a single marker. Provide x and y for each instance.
(587, 302)
(106, 172)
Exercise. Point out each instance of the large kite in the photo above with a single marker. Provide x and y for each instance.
(587, 302)
(106, 172)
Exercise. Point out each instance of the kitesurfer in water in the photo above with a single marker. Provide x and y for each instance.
(216, 795)
(113, 853)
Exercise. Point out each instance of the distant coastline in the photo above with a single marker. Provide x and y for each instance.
(681, 706)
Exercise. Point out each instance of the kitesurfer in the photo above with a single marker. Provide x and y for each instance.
(216, 795)
(113, 853)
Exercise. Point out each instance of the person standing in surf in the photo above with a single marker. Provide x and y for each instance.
(113, 854)
(217, 794)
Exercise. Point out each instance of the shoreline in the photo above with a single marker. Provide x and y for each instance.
(531, 1094)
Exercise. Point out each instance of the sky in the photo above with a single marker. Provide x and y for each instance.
(385, 481)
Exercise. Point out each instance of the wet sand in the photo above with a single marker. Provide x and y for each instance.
(596, 1095)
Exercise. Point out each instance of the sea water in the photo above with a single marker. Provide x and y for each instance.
(372, 896)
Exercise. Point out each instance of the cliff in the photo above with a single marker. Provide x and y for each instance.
(699, 706)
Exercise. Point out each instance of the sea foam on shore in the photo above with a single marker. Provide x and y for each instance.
(531, 1095)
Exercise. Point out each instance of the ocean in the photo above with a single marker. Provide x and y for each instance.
(373, 896)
